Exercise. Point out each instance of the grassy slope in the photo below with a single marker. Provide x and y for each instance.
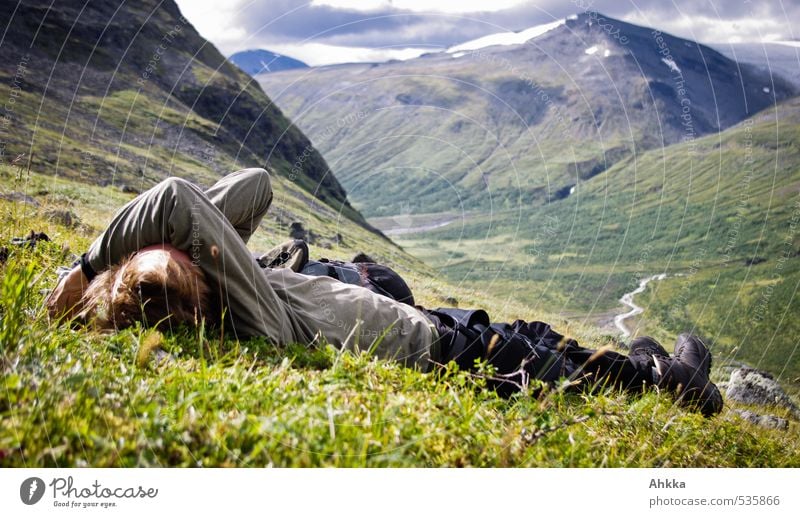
(73, 397)
(701, 212)
(88, 100)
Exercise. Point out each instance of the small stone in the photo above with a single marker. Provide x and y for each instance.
(128, 189)
(362, 257)
(62, 217)
(768, 421)
(19, 197)
(296, 231)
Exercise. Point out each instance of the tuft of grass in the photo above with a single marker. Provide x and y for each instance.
(15, 300)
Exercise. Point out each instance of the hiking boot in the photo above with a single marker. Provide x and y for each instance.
(691, 350)
(642, 350)
(645, 346)
(292, 254)
(687, 376)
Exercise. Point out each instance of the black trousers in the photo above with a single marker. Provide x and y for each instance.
(521, 351)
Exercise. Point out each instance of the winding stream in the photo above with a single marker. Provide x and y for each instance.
(627, 299)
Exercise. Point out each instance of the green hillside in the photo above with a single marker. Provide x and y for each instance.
(129, 93)
(721, 211)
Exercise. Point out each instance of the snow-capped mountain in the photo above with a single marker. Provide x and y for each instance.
(263, 61)
(527, 115)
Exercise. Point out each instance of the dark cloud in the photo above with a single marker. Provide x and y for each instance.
(292, 21)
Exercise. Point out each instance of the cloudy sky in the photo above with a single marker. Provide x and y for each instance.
(335, 31)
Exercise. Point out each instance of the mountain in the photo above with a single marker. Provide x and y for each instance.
(781, 57)
(129, 92)
(510, 125)
(264, 61)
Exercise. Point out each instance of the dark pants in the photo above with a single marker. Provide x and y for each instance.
(521, 351)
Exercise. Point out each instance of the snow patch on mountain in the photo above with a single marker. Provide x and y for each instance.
(671, 64)
(506, 38)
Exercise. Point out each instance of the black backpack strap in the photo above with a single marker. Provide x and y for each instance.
(466, 317)
(456, 342)
(340, 271)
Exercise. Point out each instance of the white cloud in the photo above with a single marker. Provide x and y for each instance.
(235, 25)
(441, 6)
(715, 30)
(317, 54)
(215, 20)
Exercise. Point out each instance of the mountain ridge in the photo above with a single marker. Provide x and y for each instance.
(514, 125)
(123, 93)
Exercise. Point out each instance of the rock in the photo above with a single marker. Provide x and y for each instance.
(451, 302)
(754, 261)
(19, 197)
(62, 217)
(296, 231)
(768, 421)
(752, 386)
(362, 257)
(128, 189)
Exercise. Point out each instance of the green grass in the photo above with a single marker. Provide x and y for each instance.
(73, 397)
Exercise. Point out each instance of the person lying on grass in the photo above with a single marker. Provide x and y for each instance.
(177, 255)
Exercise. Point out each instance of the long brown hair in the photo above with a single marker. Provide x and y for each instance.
(160, 297)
